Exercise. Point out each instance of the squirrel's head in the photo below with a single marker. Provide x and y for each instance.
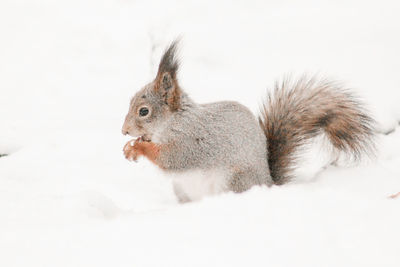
(156, 102)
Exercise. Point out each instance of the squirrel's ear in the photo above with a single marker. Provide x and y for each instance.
(166, 81)
(167, 86)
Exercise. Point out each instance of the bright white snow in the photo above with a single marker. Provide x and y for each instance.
(68, 197)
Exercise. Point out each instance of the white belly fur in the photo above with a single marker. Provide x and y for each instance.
(194, 185)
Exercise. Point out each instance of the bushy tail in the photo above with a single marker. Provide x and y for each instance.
(296, 112)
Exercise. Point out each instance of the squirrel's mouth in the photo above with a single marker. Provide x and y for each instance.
(146, 138)
(143, 138)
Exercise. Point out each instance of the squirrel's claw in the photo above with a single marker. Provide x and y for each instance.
(131, 156)
(130, 151)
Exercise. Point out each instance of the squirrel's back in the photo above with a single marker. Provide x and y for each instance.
(218, 135)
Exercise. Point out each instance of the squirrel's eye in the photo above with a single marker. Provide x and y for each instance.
(143, 112)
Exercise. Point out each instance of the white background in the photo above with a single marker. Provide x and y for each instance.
(69, 198)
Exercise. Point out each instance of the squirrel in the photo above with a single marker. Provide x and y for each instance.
(226, 144)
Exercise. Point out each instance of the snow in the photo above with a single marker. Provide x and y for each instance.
(68, 197)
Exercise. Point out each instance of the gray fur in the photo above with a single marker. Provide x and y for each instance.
(218, 135)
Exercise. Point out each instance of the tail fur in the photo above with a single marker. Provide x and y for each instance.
(296, 112)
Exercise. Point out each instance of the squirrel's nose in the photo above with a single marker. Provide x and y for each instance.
(125, 130)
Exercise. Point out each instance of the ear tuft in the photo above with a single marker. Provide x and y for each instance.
(169, 62)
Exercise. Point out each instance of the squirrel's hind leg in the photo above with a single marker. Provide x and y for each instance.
(238, 182)
(243, 179)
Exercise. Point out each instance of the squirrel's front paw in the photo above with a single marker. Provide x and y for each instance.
(130, 149)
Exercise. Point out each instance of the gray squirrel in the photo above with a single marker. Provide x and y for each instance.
(219, 147)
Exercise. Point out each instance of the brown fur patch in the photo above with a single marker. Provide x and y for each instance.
(147, 149)
(296, 112)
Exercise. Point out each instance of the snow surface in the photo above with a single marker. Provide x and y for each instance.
(69, 198)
